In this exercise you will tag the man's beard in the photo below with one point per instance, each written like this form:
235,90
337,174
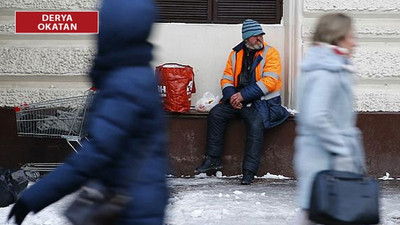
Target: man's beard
254,47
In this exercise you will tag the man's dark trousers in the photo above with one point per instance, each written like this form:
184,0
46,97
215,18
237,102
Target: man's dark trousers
216,126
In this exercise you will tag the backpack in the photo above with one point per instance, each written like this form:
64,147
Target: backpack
11,184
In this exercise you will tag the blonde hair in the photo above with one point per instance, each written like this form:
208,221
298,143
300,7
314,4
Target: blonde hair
332,28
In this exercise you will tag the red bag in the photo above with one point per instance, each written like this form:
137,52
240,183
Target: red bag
176,85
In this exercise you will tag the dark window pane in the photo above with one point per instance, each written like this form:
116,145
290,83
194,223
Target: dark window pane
219,11
235,11
184,11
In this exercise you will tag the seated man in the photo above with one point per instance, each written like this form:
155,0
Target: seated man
251,86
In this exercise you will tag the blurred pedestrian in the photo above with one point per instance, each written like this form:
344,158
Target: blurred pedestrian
125,125
326,123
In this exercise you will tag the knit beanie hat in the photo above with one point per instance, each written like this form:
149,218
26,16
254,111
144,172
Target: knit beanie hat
251,28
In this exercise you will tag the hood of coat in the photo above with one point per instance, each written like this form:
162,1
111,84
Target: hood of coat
124,27
324,57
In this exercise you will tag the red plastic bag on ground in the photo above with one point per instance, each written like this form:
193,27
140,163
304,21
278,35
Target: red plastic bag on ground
176,85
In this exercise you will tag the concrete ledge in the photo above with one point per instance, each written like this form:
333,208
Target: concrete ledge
187,140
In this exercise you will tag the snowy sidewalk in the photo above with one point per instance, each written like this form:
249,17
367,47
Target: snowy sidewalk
226,202
223,201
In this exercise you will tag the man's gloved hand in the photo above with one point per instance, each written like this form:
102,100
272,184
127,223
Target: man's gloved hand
19,211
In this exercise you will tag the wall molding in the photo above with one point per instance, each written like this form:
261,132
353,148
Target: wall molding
53,4
8,28
384,6
370,29
382,98
45,61
377,57
11,97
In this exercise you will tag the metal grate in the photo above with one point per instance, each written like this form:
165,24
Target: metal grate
220,11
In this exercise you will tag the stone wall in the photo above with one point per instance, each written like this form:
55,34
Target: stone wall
35,67
377,57
38,67
65,57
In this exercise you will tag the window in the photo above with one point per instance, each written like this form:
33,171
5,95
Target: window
219,11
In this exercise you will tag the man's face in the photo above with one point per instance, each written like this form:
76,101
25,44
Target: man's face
255,42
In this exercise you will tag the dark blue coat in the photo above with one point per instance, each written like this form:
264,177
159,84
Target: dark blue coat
126,123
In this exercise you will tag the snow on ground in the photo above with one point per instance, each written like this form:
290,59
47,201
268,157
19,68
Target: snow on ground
226,202
223,201
52,215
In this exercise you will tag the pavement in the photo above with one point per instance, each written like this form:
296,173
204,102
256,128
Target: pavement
223,201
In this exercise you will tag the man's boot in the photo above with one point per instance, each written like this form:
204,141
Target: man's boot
210,163
248,177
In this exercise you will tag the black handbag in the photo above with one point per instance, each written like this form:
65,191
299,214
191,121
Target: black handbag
96,205
340,197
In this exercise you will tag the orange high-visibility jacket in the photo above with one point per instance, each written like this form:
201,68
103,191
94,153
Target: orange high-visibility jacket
266,75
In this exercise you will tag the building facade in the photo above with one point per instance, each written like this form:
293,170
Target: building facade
37,67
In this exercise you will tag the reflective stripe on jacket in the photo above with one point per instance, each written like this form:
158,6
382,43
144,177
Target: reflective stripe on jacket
266,73
264,86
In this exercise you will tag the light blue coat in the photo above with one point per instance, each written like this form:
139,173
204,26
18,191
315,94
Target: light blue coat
327,135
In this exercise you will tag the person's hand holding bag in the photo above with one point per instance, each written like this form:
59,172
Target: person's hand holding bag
344,163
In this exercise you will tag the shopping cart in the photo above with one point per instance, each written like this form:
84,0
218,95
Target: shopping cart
60,118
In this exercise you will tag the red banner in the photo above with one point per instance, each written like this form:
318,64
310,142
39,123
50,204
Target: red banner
56,22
